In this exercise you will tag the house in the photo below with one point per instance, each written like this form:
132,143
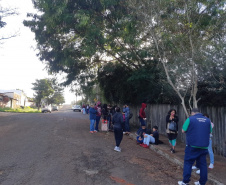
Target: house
13,98
4,100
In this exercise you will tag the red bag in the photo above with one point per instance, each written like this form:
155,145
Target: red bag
104,125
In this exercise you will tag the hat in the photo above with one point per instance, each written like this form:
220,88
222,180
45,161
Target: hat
195,110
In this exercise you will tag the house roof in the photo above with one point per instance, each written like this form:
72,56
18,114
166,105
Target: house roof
2,94
19,92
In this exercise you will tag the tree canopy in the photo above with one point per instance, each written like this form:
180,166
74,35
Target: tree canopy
133,47
48,89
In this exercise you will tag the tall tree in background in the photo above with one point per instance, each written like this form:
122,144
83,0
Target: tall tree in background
48,89
183,33
57,97
43,89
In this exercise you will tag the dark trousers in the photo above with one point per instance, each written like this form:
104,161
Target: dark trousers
191,155
127,127
97,123
118,136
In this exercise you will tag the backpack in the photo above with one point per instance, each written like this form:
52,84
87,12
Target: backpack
130,115
173,126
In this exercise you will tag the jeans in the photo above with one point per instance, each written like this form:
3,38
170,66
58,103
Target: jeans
92,121
142,123
118,136
97,122
84,111
210,150
127,127
191,155
148,139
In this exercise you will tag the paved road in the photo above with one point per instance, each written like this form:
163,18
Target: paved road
57,149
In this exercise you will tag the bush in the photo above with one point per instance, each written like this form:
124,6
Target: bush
20,110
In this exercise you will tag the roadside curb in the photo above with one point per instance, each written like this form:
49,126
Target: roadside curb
177,161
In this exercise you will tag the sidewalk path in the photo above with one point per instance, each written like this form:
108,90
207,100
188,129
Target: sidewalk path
215,176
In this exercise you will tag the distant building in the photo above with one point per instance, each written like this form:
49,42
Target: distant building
13,99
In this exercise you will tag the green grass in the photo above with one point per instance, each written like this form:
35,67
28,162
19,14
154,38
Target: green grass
20,110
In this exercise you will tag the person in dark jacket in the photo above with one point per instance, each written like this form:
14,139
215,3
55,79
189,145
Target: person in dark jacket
98,115
92,117
117,121
105,112
142,119
172,135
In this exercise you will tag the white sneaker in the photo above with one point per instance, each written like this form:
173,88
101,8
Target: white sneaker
197,183
117,149
181,183
198,172
194,168
211,166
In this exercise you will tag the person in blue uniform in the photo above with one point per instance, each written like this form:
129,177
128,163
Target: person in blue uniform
197,128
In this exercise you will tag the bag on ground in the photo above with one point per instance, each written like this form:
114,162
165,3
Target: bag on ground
104,125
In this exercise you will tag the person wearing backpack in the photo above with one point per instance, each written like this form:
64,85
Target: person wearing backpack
171,118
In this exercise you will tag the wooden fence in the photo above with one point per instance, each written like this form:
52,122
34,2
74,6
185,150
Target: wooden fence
156,115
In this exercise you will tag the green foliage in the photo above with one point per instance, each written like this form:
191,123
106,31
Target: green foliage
146,84
20,110
212,88
48,89
113,43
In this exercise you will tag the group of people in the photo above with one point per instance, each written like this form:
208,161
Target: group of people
117,121
198,129
85,109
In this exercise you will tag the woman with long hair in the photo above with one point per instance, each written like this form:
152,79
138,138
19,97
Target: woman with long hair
172,135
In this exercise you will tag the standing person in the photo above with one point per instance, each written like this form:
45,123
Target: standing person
98,115
87,109
210,150
104,112
127,112
197,128
109,118
142,119
117,121
92,117
172,135
84,109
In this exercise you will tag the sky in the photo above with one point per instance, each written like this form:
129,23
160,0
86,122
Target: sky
19,65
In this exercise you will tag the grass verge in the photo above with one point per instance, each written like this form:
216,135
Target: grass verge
20,110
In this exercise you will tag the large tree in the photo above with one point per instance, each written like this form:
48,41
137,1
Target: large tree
49,90
43,89
79,36
183,34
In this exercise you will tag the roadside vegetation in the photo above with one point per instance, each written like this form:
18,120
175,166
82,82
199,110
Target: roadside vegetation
20,110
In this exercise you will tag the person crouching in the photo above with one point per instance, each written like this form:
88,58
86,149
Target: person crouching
150,138
117,122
